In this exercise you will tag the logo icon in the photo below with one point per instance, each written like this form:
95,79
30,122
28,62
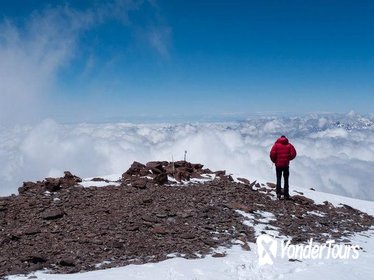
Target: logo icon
267,249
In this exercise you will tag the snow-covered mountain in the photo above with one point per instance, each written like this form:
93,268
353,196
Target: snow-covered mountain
241,264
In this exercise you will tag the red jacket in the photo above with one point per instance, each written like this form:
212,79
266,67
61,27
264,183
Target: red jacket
282,152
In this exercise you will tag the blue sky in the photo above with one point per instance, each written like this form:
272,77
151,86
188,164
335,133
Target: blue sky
172,58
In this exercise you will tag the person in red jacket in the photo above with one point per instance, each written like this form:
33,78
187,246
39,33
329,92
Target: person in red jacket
281,154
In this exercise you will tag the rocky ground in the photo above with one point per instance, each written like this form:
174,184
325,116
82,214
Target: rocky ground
153,211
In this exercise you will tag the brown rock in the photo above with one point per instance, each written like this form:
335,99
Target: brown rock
161,179
219,255
135,168
187,236
159,230
52,184
243,207
28,186
52,214
244,181
139,184
220,173
67,262
302,200
32,230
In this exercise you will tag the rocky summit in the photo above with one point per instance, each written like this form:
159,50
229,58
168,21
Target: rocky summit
154,211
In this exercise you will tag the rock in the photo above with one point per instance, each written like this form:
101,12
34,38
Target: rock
187,236
206,171
347,206
161,179
116,244
219,255
197,166
271,185
35,258
52,184
32,230
135,168
29,186
252,184
155,165
220,173
52,214
149,218
244,181
3,203
133,228
98,179
302,200
139,184
70,180
196,175
246,247
161,215
182,175
67,262
159,230
147,200
243,207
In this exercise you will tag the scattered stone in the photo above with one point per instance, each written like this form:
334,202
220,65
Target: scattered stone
67,262
159,230
244,181
35,258
302,200
52,184
161,179
219,255
220,173
32,230
187,236
243,207
98,179
52,214
246,247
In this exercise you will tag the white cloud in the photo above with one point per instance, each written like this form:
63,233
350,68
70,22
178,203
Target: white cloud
31,56
34,52
332,164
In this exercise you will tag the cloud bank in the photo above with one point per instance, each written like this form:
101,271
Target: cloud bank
335,153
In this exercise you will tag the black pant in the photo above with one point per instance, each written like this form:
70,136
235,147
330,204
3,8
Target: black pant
286,174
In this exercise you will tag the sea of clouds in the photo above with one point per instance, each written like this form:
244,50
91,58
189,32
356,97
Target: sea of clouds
335,152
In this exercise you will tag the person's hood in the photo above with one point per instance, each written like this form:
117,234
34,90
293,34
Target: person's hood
282,140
